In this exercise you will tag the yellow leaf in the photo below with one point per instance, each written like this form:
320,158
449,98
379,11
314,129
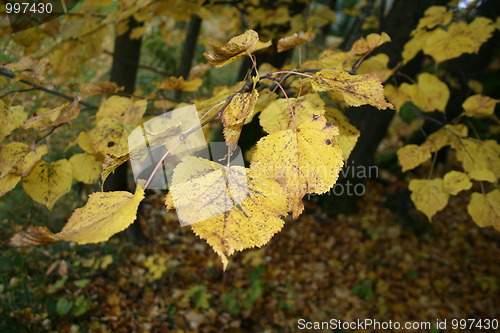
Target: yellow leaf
477,155
428,195
378,65
122,109
236,48
483,175
434,16
364,46
485,209
46,118
110,164
232,208
47,182
97,88
232,135
86,168
109,137
395,96
429,94
415,45
84,142
411,156
8,182
278,116
479,105
303,160
104,214
289,42
448,135
356,89
348,134
10,119
266,97
460,38
335,59
240,107
454,182
178,83
18,158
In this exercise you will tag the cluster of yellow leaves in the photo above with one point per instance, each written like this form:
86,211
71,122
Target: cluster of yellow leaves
447,41
429,93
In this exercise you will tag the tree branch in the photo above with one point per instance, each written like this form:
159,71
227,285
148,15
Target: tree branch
5,72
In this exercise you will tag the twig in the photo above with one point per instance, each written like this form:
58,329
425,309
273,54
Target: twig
5,72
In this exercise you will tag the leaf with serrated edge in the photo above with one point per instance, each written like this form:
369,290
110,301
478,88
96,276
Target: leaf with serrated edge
232,209
356,89
278,116
19,158
303,160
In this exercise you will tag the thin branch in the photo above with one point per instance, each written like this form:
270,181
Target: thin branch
9,74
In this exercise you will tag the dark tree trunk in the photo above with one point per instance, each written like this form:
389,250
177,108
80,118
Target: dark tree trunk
124,73
188,50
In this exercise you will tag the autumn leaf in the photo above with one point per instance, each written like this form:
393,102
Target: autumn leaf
455,182
86,168
479,106
110,163
303,160
48,182
395,96
46,118
429,94
279,117
447,135
18,158
289,42
109,137
356,89
364,46
483,175
10,118
378,65
411,156
434,16
8,182
178,83
104,214
485,209
97,88
123,109
477,155
428,195
236,48
348,134
231,208
240,107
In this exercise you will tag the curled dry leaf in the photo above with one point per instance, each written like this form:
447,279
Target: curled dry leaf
178,83
236,48
364,46
96,88
289,42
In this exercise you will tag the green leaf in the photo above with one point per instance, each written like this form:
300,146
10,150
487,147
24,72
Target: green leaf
63,306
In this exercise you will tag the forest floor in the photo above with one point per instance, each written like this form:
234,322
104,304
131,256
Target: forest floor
376,264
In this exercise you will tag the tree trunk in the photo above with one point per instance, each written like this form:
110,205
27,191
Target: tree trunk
124,73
